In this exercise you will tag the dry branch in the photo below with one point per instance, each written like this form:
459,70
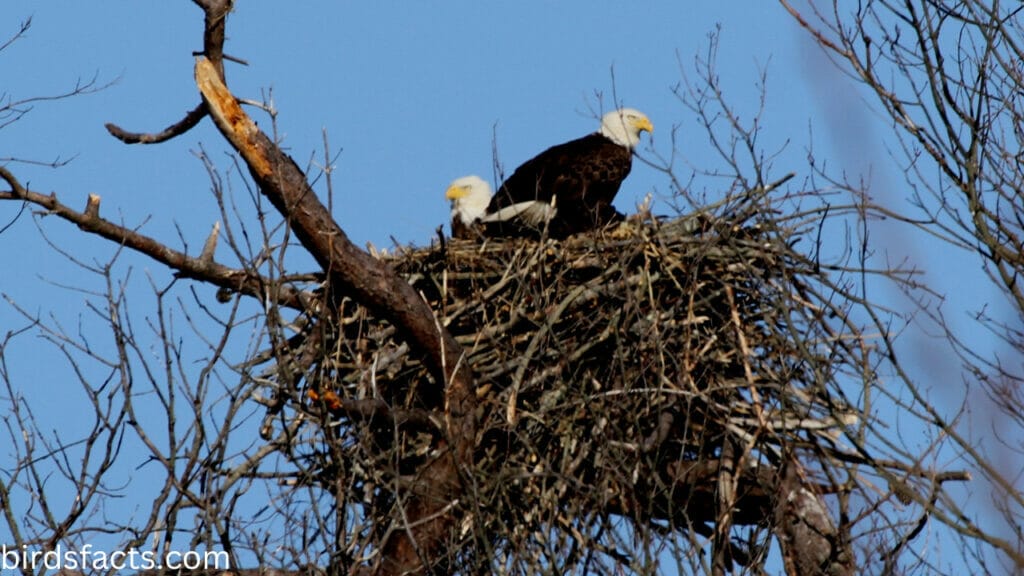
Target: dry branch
612,371
372,283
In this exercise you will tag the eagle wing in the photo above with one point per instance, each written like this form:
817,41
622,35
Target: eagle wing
583,174
533,213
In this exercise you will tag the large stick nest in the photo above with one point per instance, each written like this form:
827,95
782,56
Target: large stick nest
612,368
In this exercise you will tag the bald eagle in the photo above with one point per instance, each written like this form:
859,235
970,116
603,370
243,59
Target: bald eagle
471,196
576,181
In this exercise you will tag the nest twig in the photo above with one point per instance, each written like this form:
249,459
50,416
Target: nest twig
612,370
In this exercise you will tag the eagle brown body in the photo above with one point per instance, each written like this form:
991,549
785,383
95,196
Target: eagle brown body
462,230
583,175
564,190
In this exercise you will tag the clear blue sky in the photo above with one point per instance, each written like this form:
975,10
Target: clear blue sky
411,94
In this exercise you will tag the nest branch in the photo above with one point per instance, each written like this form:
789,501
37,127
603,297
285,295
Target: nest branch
668,372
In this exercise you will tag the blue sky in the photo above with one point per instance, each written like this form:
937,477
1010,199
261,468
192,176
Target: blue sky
411,95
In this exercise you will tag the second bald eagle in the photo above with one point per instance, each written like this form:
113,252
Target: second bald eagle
575,182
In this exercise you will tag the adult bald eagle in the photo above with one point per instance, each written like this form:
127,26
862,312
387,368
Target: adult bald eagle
578,178
471,196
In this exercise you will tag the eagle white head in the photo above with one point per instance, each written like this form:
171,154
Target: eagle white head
623,126
470,196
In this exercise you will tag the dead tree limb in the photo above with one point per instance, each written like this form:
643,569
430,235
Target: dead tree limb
374,284
810,542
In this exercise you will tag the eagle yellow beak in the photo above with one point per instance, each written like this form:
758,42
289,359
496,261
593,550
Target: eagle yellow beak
456,192
644,124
